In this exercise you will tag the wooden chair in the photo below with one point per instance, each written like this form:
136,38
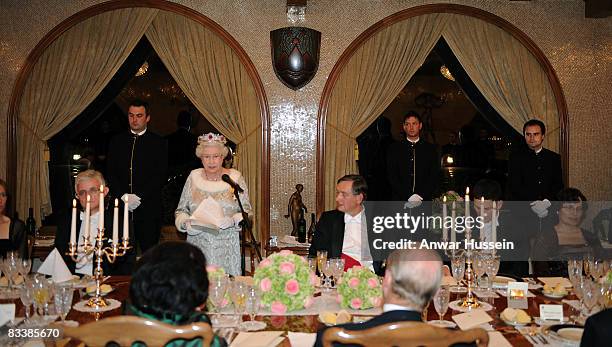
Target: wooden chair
405,334
124,330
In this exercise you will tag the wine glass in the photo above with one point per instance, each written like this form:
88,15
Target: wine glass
24,266
216,292
312,264
321,259
327,271
441,300
458,270
26,296
337,270
63,301
574,269
492,269
479,265
40,294
252,303
9,268
238,294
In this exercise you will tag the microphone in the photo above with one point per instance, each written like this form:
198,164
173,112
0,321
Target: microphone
228,180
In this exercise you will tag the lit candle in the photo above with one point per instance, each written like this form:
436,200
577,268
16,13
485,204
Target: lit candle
101,209
126,227
116,221
444,230
453,232
87,210
482,215
494,223
468,230
73,223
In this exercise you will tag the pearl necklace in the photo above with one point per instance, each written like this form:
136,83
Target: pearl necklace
211,179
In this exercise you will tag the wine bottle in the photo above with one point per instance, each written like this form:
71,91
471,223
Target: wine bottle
31,223
301,236
311,230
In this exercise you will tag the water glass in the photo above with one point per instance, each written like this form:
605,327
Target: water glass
441,300
63,300
238,294
458,271
337,269
479,264
27,298
492,269
216,292
252,304
24,266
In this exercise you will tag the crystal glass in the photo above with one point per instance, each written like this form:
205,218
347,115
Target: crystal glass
574,269
337,270
321,259
492,269
479,264
598,268
441,300
24,266
41,295
9,268
27,298
216,292
63,300
312,264
458,271
238,294
327,271
252,305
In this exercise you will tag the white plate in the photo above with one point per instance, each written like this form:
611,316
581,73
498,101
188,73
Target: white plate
553,295
546,322
515,324
571,334
442,324
101,293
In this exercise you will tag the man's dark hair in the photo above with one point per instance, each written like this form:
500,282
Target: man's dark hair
359,184
170,280
489,189
537,122
140,103
414,114
183,120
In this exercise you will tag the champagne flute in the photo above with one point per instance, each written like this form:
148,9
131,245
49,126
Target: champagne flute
321,259
441,300
458,270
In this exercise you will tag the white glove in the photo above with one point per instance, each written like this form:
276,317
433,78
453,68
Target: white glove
226,222
133,201
414,200
237,217
540,207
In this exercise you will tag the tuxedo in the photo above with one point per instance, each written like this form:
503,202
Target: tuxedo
385,318
329,236
534,176
413,169
122,266
138,165
597,330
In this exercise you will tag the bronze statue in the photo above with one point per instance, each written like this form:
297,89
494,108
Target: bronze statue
296,208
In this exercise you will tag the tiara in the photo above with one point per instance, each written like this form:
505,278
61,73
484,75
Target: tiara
212,137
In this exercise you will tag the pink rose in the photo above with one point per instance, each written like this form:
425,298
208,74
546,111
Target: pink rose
278,307
339,299
354,282
265,285
286,268
308,302
211,268
376,301
372,282
265,262
292,287
356,303
285,252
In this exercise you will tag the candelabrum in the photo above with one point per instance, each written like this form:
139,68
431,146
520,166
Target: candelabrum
470,300
98,250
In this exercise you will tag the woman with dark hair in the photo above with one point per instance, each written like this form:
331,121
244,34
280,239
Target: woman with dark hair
170,285
12,230
565,239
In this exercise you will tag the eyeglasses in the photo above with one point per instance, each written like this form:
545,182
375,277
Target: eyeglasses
91,191
3,195
212,157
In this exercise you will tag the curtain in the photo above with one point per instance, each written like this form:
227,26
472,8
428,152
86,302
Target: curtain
375,74
506,73
66,78
213,78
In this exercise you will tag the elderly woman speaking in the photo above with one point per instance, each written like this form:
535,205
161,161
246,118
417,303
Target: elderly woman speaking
208,211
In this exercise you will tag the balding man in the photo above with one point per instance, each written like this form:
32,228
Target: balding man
412,278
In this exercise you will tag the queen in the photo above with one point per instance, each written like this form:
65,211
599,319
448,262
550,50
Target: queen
205,192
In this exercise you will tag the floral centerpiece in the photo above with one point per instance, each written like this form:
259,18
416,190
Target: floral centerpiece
285,282
214,271
359,289
451,196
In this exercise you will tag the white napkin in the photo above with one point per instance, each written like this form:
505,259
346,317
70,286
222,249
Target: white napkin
496,339
55,267
471,319
7,313
258,339
301,339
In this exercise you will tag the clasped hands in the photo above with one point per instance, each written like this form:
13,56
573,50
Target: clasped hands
414,200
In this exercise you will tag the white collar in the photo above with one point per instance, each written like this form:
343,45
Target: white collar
92,215
353,219
539,150
140,133
394,307
413,142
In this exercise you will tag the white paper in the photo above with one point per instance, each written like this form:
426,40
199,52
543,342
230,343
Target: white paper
256,339
302,339
551,312
496,339
55,267
208,214
7,313
471,319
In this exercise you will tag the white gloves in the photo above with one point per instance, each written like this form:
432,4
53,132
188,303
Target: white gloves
414,200
540,207
133,201
226,222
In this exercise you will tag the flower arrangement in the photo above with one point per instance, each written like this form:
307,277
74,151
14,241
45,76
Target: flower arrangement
359,289
285,282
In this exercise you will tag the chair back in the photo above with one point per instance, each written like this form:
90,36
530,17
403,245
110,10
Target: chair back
405,334
124,330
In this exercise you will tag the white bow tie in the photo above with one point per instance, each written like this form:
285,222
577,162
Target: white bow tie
350,219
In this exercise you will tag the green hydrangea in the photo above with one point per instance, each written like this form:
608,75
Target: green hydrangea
359,289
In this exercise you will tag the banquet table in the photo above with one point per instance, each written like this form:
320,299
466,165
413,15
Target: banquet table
310,323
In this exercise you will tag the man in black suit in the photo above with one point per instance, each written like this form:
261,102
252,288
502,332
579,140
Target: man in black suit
343,232
87,183
136,164
411,280
181,147
597,330
413,165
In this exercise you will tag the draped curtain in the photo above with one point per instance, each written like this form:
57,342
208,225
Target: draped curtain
375,74
66,78
211,75
506,73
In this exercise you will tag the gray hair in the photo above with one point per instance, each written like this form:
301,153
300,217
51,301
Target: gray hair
415,274
88,175
199,151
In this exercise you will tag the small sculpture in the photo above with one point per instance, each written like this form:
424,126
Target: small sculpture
296,208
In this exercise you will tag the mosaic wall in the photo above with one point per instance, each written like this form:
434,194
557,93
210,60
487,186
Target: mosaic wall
579,49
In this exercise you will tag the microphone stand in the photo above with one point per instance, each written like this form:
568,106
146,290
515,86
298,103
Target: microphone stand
246,227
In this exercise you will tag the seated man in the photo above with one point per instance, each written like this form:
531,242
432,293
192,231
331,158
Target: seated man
170,284
597,329
343,232
87,183
412,278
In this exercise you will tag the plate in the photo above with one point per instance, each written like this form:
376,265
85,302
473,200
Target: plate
569,334
101,292
515,324
546,322
502,281
553,295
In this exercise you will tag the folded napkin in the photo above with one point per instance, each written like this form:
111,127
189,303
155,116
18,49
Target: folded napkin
471,319
258,339
496,339
7,313
55,267
301,339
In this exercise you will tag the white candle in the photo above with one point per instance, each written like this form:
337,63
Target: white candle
453,232
101,209
482,215
494,223
87,210
444,230
126,226
116,221
468,230
73,223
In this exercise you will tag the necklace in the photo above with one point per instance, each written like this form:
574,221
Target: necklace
211,179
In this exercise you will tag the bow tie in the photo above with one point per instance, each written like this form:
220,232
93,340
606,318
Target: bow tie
350,219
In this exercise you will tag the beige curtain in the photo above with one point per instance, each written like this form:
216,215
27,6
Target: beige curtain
375,74
214,79
71,72
506,73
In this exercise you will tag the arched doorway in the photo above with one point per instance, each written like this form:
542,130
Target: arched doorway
422,24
